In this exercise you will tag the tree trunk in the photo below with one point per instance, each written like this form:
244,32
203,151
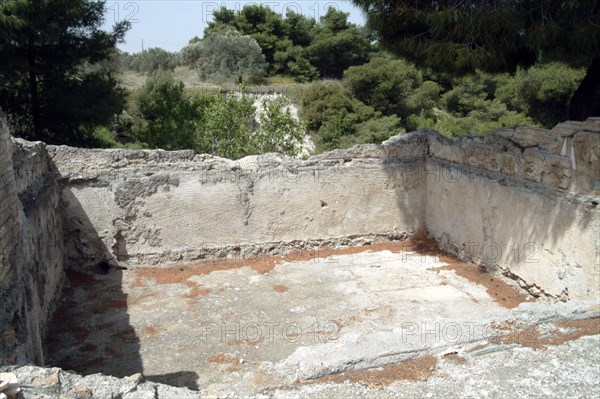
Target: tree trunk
586,99
34,95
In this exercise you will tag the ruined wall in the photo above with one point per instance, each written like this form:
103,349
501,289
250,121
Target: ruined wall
31,247
524,200
155,207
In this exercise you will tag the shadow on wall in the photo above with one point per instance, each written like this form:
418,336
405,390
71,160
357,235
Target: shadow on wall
92,331
543,234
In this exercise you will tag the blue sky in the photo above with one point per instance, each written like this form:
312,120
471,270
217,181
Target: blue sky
171,23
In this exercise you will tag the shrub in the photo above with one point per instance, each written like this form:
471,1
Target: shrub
392,87
168,114
230,56
542,92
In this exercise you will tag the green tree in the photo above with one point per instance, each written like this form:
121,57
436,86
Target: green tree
332,113
45,48
169,115
297,45
298,28
263,25
255,20
374,131
190,54
225,127
149,61
231,127
337,45
462,36
542,92
229,54
278,130
223,20
293,62
393,87
156,59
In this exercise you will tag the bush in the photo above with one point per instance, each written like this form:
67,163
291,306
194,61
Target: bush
230,56
226,123
169,115
489,116
542,92
375,131
331,111
392,87
278,131
149,61
221,125
323,101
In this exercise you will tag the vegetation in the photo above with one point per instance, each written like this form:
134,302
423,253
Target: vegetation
61,82
296,45
466,36
172,118
52,82
229,54
149,61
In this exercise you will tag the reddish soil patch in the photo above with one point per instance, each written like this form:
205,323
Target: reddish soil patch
88,348
221,358
279,288
266,263
127,335
455,357
531,337
112,353
9,337
96,362
115,304
503,293
150,331
79,333
197,292
419,369
504,326
78,279
104,325
180,274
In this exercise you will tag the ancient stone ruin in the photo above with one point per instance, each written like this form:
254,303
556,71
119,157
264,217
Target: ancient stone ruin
420,267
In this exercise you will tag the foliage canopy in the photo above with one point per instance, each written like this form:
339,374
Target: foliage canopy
49,80
494,36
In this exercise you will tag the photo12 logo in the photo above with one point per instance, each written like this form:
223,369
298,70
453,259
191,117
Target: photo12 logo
123,11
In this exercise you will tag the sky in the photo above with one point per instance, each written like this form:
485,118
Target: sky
170,24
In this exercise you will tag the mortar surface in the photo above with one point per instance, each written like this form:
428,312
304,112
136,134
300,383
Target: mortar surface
244,326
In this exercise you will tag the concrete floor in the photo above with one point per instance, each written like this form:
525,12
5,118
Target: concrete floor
231,328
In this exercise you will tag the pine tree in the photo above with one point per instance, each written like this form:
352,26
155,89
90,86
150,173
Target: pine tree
51,79
494,35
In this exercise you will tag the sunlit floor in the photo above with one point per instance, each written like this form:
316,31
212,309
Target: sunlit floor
208,325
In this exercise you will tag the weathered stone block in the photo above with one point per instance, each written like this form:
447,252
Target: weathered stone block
586,150
443,148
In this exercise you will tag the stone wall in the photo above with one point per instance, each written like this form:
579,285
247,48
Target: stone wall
521,200
156,207
31,247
